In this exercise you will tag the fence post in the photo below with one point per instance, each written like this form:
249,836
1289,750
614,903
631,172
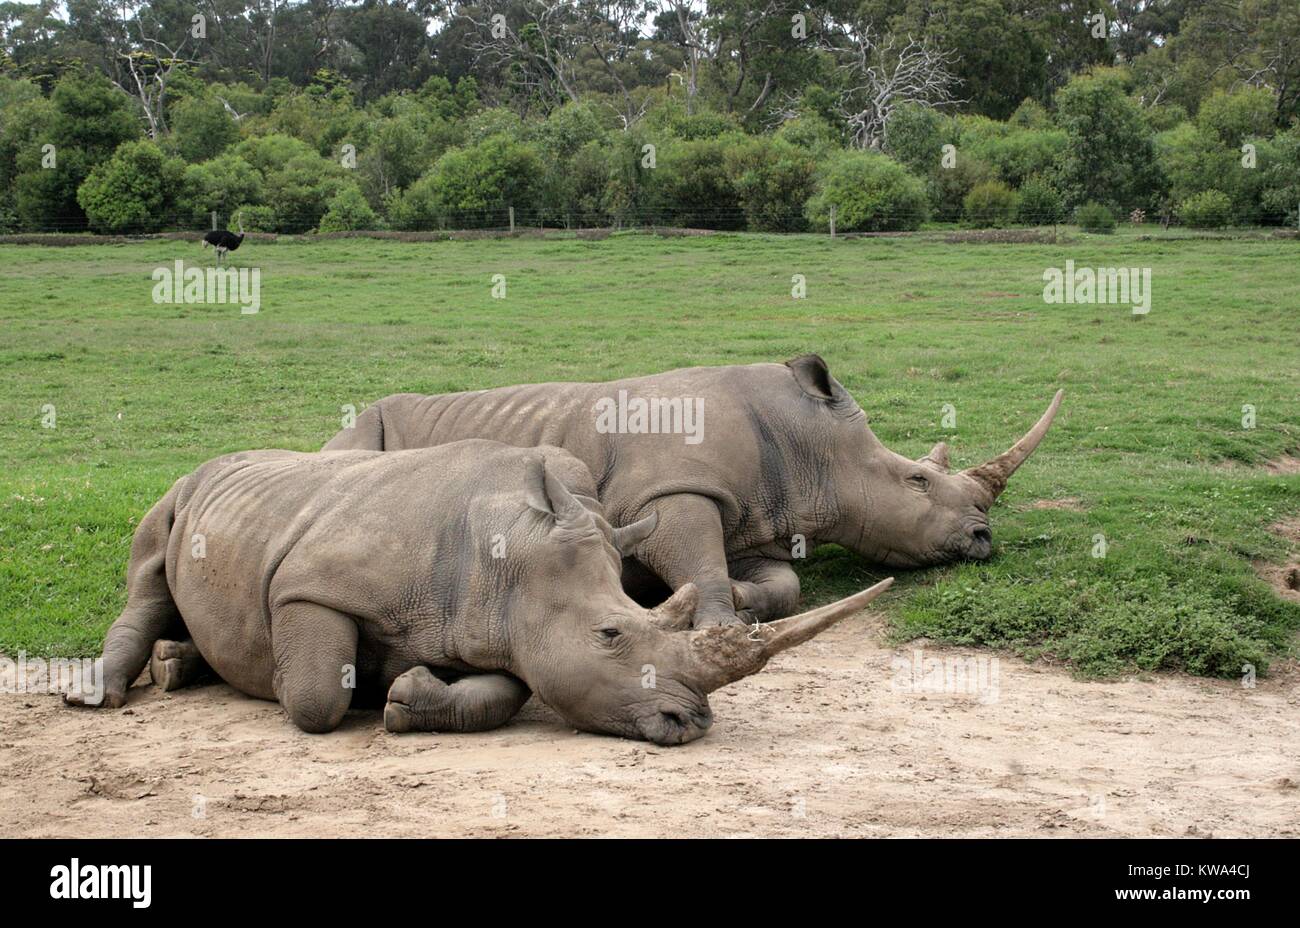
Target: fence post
512,220
832,220
214,220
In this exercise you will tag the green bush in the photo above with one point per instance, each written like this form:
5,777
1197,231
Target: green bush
1234,116
301,190
947,187
202,128
1280,178
870,193
1020,153
990,205
773,179
472,187
348,212
133,191
256,218
690,187
219,185
1040,203
1095,217
1209,209
915,136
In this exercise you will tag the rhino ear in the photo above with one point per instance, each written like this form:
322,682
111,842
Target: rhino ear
813,376
938,457
550,495
629,536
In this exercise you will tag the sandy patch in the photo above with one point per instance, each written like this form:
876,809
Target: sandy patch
830,740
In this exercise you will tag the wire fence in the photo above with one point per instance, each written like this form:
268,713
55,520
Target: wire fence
505,219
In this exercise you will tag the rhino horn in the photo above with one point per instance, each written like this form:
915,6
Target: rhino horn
994,474
938,456
677,611
629,536
725,654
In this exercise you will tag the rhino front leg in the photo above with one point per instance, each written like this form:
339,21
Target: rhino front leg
419,701
764,589
315,650
688,547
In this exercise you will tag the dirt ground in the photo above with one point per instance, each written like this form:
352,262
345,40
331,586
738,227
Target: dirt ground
834,738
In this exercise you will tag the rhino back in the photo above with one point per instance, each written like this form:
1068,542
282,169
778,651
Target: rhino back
762,454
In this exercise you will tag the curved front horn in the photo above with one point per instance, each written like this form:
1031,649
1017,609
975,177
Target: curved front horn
993,475
724,654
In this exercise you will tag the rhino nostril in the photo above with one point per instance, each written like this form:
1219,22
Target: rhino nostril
982,536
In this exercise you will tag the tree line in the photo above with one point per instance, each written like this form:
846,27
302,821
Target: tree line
767,115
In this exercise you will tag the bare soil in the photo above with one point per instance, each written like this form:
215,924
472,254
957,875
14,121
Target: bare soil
829,740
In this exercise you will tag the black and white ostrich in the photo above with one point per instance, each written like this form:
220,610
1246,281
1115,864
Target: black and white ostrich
223,240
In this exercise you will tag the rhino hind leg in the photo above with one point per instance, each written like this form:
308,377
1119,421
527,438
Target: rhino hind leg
150,612
764,589
315,652
175,664
419,701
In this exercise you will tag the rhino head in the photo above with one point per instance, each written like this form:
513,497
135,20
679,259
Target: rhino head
898,511
609,665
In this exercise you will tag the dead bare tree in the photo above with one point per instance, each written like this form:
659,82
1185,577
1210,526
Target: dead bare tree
538,55
146,65
882,73
690,26
613,30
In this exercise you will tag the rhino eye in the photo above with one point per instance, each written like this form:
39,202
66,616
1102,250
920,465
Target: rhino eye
919,481
610,633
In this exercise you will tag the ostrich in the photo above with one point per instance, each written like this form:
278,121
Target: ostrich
223,240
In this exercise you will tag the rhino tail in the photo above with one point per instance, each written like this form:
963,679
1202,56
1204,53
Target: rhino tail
365,434
150,612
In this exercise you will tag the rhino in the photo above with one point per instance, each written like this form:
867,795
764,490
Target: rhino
444,584
762,461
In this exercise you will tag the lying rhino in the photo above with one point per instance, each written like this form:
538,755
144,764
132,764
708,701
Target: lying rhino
456,579
741,461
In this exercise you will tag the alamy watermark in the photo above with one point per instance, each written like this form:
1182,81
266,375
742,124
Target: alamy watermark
953,675
1110,285
82,677
181,284
655,415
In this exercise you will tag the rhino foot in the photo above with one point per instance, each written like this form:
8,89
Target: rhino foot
175,664
419,701
86,699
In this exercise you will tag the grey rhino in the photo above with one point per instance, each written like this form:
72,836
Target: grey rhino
456,579
785,452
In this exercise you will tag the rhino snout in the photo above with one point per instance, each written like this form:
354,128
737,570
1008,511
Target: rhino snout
674,724
978,543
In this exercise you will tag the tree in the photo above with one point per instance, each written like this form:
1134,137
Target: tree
881,72
870,193
85,123
1110,157
203,127
134,191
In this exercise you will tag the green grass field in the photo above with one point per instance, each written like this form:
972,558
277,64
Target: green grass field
1150,441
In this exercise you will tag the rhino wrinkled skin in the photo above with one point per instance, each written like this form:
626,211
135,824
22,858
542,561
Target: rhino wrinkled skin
783,452
453,581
